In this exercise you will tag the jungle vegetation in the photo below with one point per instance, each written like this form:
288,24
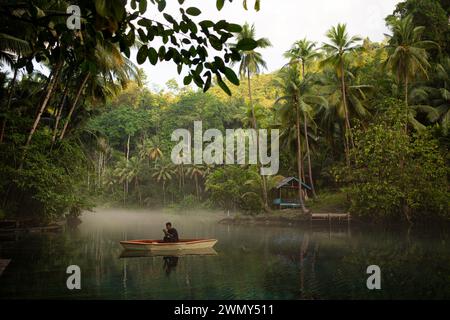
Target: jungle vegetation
365,120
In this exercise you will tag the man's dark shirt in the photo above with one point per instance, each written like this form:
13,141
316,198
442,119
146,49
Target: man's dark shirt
172,235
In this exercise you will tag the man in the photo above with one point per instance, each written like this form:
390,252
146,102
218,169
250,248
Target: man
170,234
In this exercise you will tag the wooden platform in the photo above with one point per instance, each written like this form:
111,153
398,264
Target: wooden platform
3,264
339,217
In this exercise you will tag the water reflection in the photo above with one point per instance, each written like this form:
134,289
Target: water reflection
168,253
170,263
315,262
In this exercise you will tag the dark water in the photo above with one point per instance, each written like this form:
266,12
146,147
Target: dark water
251,262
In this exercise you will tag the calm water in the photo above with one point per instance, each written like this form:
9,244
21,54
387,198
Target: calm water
251,262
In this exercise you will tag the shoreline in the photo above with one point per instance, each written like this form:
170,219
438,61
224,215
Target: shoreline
288,218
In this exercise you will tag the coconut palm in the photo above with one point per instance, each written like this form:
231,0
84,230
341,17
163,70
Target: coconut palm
128,171
11,49
256,184
439,95
252,63
302,52
150,148
407,54
163,173
298,97
113,72
431,98
333,117
337,50
196,172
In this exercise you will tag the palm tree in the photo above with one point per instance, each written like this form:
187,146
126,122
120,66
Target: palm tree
252,63
337,50
333,117
298,96
407,55
256,184
196,172
129,171
11,49
150,149
113,72
303,52
439,95
163,173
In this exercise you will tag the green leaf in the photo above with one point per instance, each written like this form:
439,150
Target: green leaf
223,85
257,5
169,18
232,27
187,80
152,56
231,76
220,4
161,5
141,55
208,81
162,52
193,11
206,24
247,44
145,23
142,6
142,35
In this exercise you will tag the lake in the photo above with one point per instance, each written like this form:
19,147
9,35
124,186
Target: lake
252,262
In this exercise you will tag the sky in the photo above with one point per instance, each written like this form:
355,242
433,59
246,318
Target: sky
283,22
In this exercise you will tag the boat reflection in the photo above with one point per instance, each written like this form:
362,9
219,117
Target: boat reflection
170,264
168,253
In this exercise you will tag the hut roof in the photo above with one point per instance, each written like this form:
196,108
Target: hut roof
286,181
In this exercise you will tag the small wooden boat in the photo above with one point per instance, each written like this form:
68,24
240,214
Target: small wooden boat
158,245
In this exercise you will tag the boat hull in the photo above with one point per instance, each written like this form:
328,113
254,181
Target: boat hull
158,245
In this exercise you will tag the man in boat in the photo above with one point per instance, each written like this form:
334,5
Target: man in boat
170,233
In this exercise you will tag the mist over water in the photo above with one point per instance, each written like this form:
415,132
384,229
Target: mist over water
148,224
252,262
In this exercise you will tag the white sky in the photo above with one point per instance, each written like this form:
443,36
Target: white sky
283,22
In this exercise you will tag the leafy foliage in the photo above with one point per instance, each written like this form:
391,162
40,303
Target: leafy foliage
396,176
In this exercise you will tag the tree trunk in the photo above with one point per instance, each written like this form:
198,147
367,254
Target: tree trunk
138,188
309,155
303,69
128,158
299,162
49,94
59,113
406,105
348,131
196,187
74,104
124,194
164,193
255,126
128,148
8,104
